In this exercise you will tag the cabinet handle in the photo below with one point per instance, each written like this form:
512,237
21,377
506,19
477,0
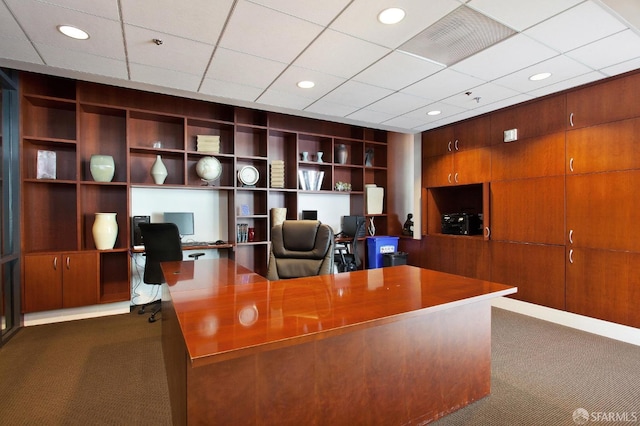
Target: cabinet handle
456,177
571,164
455,144
68,261
487,232
571,119
449,178
571,236
449,146
571,256
55,263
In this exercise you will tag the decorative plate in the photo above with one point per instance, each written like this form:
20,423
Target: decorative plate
248,175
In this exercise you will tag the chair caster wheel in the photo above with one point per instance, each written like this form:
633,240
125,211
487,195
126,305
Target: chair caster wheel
141,311
152,319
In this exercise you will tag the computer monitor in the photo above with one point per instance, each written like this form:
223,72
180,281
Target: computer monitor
184,221
353,224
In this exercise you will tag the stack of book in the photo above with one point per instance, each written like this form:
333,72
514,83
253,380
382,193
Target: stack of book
208,143
277,174
310,180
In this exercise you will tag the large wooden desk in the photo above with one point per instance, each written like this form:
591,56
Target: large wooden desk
388,346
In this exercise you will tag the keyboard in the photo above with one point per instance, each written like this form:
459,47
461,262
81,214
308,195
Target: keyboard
195,243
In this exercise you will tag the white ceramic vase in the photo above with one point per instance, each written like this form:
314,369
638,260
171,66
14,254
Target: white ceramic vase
102,168
105,231
158,171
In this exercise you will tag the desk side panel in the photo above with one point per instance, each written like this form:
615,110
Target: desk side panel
176,359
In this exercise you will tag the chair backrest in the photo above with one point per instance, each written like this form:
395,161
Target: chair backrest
300,248
161,243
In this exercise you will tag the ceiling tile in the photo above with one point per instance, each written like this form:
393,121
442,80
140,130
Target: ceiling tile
521,15
339,54
202,20
9,28
283,99
232,91
240,68
397,70
318,12
623,67
443,85
105,8
609,51
575,27
370,116
487,93
164,77
357,94
360,19
511,55
561,68
40,20
174,53
397,103
83,62
263,32
567,84
330,108
19,50
288,80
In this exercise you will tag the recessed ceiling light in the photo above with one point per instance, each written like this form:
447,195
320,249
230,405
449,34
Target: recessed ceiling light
73,32
541,76
393,15
306,84
434,112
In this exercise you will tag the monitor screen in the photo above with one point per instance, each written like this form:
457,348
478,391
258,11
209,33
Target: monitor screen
184,221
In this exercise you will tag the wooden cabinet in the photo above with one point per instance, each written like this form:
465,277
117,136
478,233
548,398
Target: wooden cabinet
540,156
457,154
604,284
605,101
60,280
537,270
605,147
460,255
532,119
76,120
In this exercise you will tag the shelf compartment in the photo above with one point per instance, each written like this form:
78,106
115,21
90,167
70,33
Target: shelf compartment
452,199
375,175
314,144
251,141
251,117
379,154
352,175
260,165
49,217
103,131
226,180
166,129
253,256
327,184
115,284
254,199
65,157
355,151
49,118
141,162
210,128
96,198
45,85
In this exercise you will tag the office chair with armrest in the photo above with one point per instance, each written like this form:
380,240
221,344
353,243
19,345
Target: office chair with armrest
300,248
161,244
348,259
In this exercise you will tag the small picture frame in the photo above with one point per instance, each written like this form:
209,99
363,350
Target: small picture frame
46,165
244,210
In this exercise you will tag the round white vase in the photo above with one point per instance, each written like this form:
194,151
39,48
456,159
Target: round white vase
158,171
105,231
102,168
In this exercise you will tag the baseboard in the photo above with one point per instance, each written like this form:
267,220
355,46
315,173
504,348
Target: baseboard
60,315
591,325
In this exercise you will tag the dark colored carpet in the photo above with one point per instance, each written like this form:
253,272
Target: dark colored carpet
109,371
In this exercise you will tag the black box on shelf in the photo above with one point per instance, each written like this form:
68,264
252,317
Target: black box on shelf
461,224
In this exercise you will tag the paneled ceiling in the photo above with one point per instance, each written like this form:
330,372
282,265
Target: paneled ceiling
460,57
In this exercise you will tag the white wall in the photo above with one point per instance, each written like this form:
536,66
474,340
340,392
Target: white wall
404,163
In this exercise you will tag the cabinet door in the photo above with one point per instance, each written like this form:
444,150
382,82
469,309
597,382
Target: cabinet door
612,100
42,282
437,142
529,158
472,134
80,279
437,171
460,255
608,147
604,284
532,119
537,270
528,210
601,208
472,166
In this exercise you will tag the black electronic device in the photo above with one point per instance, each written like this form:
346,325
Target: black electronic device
184,221
461,224
136,235
352,225
310,214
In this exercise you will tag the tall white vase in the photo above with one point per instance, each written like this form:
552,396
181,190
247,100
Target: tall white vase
158,171
105,230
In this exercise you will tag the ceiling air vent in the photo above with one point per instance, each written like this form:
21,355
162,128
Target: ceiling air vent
460,34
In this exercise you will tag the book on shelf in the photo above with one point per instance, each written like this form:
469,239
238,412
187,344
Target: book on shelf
277,174
310,180
208,143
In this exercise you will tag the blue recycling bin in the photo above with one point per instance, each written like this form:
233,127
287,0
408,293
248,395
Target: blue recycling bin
377,247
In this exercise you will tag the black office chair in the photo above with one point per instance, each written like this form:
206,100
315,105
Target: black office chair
161,244
347,258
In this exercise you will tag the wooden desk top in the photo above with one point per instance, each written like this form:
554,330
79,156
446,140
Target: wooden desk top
227,311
